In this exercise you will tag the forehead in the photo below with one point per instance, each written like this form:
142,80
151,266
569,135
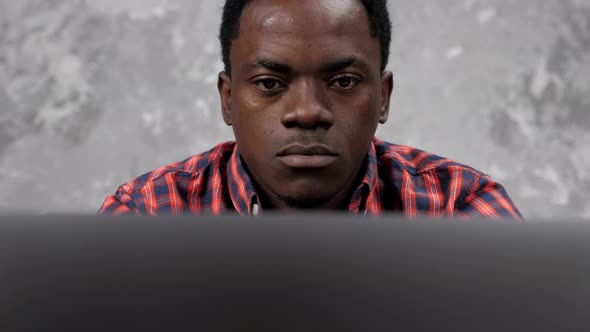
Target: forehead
305,30
282,16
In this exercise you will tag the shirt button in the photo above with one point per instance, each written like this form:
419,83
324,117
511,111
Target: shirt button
255,209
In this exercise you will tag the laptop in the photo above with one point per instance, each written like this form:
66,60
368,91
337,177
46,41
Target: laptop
308,272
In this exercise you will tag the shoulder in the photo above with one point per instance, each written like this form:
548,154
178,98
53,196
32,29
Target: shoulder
415,170
188,168
416,161
165,189
436,185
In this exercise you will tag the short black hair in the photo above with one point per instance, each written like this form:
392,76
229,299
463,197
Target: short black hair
379,25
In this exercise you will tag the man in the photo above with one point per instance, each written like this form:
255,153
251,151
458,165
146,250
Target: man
304,88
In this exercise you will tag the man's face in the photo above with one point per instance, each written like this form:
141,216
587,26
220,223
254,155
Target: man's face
305,97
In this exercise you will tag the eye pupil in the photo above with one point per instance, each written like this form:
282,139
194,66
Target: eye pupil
269,84
345,82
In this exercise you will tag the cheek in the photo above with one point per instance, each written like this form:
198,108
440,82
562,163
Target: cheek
362,119
253,121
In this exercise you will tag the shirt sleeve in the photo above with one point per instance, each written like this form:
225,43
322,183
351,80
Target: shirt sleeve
121,203
488,199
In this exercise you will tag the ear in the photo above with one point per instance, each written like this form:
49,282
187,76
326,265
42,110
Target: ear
386,89
224,88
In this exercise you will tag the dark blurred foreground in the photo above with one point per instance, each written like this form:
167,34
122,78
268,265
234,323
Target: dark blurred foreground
292,273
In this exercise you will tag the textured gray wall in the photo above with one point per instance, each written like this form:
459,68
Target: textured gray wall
93,93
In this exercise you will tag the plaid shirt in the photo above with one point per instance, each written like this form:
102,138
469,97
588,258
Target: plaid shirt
397,179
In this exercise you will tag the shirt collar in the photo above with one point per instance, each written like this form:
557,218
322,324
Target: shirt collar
246,201
364,196
241,188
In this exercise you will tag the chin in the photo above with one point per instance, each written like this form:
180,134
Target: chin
308,193
305,202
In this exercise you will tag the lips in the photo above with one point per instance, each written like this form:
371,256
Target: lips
307,156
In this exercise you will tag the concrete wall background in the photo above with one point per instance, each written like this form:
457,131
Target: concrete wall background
93,93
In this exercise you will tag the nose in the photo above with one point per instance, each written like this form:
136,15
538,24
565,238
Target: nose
307,107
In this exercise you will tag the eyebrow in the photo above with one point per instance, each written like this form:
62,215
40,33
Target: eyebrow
272,65
283,68
339,64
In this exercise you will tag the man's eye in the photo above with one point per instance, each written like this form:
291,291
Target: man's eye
268,84
345,82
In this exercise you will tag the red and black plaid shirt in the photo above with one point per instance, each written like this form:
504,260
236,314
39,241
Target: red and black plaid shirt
398,179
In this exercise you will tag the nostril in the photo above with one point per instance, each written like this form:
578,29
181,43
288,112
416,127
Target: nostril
289,120
291,124
308,118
